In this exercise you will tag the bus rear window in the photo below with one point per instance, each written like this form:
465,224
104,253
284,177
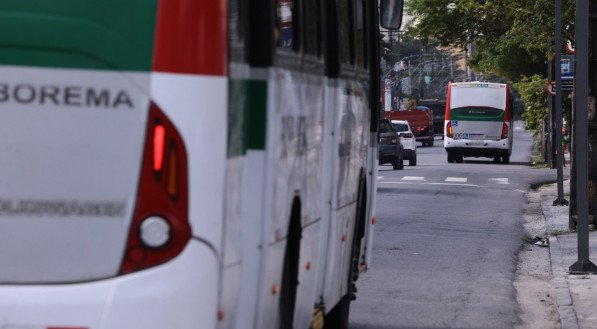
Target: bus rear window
479,113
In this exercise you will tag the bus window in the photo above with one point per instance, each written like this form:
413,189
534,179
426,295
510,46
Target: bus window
312,36
360,51
345,38
285,24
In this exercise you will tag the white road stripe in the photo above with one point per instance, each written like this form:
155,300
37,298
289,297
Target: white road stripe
502,181
379,177
456,180
413,178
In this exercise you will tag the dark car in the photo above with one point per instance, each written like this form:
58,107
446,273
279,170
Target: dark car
390,148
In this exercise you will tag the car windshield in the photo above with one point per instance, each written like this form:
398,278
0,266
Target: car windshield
400,127
385,127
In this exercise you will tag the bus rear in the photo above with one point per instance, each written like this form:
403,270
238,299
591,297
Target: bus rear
109,110
478,121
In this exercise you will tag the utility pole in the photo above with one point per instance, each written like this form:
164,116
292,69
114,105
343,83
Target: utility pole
581,136
560,201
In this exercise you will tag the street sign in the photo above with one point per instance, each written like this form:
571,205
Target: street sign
551,88
567,69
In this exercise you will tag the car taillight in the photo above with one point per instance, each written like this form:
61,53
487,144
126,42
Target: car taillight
504,131
449,132
408,135
160,228
394,139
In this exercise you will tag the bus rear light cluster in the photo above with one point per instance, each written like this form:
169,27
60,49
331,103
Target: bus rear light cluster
160,228
449,132
504,131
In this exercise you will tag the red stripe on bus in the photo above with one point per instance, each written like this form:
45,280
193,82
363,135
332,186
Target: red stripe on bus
191,37
448,94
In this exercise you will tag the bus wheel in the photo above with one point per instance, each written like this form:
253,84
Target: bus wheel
496,159
459,158
291,268
506,159
451,157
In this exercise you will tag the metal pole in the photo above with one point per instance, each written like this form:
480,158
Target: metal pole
583,265
550,101
560,201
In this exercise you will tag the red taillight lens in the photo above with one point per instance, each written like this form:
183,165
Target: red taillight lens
504,131
159,133
160,228
394,140
408,135
449,132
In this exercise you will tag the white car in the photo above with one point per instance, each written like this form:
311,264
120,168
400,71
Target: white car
407,138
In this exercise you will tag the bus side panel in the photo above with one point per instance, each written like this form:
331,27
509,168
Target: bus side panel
294,162
350,157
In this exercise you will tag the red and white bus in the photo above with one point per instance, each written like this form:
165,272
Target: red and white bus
184,164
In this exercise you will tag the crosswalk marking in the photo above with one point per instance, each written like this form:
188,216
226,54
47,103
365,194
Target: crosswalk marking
456,180
502,181
413,178
434,180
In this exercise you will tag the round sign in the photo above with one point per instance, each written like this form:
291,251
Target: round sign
551,88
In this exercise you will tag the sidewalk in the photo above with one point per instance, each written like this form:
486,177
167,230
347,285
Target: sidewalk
576,295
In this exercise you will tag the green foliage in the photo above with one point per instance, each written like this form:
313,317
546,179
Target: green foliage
533,94
510,37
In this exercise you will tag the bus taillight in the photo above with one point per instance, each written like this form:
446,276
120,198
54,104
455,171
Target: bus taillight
158,146
505,131
449,132
160,228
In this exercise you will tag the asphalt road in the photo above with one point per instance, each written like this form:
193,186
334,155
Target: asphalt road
446,242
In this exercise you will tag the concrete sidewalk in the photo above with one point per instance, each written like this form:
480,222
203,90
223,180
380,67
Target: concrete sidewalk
576,295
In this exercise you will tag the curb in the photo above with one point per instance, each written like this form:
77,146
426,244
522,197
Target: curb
568,318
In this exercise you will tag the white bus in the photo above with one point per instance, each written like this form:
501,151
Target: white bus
478,121
186,164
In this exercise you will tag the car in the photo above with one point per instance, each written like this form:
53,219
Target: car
390,148
408,141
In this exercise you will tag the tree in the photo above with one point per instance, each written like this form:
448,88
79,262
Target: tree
511,37
532,92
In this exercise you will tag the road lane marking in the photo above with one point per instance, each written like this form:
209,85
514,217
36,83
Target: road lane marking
426,183
502,181
413,178
456,180
379,177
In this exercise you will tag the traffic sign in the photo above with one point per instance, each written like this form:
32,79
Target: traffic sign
551,88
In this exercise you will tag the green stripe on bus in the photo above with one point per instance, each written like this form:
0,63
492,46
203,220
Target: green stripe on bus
469,117
246,116
91,34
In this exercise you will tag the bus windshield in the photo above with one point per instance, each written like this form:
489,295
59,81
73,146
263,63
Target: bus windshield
477,114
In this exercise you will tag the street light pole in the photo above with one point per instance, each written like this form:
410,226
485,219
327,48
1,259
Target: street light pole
560,201
583,265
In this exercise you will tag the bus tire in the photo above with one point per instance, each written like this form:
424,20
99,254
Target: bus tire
291,268
459,158
496,159
451,157
505,159
337,318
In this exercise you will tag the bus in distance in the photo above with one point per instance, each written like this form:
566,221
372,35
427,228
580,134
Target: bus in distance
478,121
